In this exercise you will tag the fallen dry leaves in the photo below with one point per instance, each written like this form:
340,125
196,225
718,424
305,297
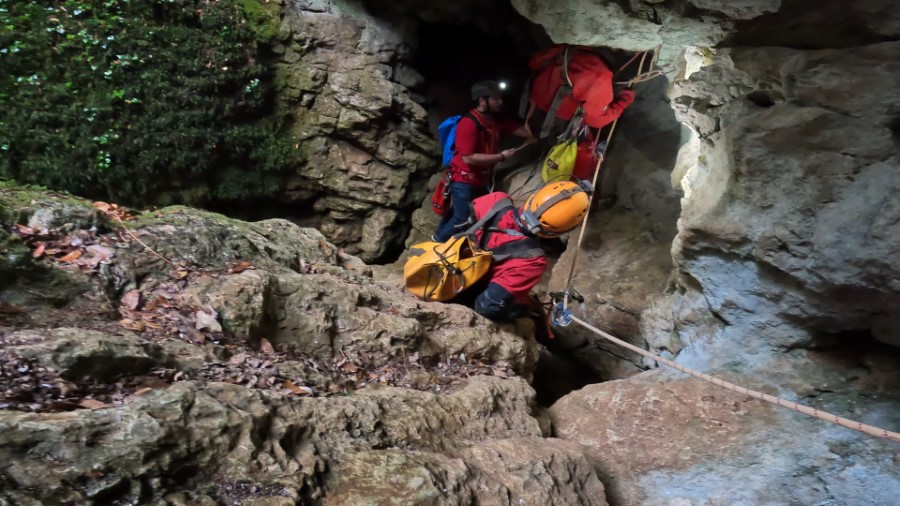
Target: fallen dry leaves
94,404
25,385
160,313
156,311
299,390
113,211
24,230
71,256
136,326
6,307
82,249
239,267
132,299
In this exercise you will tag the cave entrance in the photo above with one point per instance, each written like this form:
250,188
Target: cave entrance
451,57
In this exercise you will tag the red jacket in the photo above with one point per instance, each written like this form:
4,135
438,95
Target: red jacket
517,275
592,86
470,139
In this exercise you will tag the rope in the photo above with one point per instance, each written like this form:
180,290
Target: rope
587,213
531,175
630,60
806,410
642,78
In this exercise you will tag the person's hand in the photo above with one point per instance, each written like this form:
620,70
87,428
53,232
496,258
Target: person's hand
507,154
528,131
626,96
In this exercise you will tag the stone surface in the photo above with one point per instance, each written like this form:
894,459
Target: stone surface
259,368
639,26
240,300
365,143
789,176
788,213
501,472
325,316
625,264
299,446
775,270
668,439
816,24
79,353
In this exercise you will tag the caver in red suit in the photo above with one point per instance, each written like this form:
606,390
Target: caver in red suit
592,85
507,295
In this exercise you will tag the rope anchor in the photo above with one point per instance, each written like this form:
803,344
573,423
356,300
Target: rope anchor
560,316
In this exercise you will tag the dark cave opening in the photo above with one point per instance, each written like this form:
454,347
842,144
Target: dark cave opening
761,98
452,57
559,372
452,47
852,343
862,372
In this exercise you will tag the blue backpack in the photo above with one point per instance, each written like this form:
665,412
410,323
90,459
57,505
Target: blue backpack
447,136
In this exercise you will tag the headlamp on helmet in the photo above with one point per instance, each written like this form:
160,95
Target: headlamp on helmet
486,89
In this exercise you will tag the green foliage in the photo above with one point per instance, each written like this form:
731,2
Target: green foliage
140,101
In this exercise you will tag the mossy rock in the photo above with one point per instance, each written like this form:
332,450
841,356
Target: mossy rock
265,18
39,208
15,258
144,103
193,237
26,282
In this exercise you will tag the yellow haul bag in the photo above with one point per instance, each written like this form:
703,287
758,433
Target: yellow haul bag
439,271
560,162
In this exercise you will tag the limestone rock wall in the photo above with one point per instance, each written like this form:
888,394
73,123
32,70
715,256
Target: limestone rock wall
790,211
345,76
640,25
782,278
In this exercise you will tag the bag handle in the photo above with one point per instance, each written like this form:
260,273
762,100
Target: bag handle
448,270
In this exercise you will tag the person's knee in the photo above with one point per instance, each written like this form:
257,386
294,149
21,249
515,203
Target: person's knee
496,303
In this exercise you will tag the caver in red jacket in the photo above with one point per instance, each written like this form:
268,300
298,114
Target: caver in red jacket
592,86
472,139
511,278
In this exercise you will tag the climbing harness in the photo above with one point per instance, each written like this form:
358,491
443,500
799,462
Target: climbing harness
551,169
561,317
564,90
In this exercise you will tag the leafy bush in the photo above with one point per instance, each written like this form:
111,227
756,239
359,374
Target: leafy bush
140,101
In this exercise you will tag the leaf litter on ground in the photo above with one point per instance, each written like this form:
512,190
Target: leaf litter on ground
156,311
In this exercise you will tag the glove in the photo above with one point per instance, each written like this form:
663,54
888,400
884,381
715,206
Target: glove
626,96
